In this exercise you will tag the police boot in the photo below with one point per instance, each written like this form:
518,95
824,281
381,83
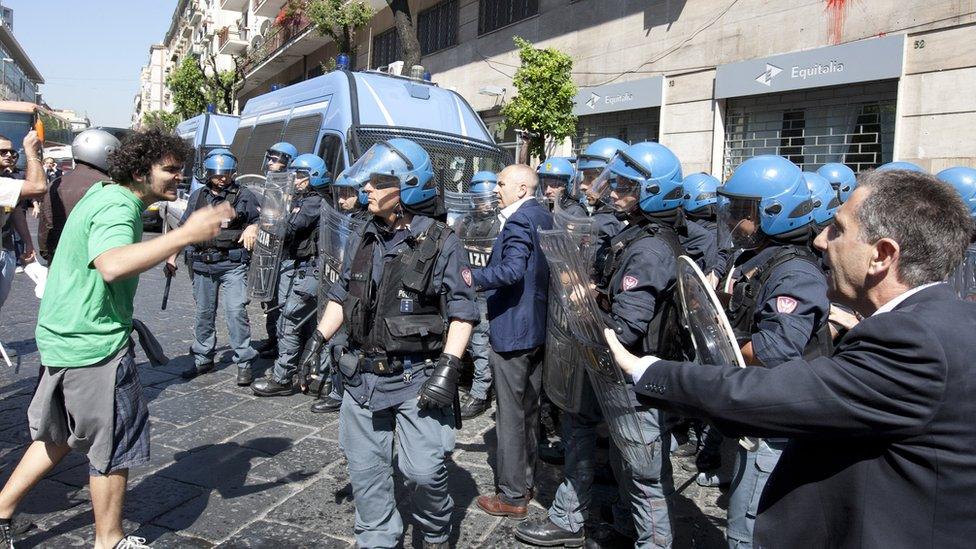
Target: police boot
326,405
474,407
544,532
198,370
266,387
244,376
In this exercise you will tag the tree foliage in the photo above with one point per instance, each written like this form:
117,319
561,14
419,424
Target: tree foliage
187,84
222,87
336,19
544,104
160,119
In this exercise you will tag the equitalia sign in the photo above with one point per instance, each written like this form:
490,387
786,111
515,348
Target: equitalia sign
874,59
623,96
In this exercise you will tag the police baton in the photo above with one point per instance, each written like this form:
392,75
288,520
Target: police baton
169,280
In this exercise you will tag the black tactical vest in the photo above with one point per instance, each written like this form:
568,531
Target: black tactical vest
303,244
228,237
742,305
404,314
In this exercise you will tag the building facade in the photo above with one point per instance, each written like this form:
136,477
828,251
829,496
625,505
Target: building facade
19,78
815,80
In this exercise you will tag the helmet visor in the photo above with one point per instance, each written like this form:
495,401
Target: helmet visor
276,157
382,165
584,181
738,223
552,187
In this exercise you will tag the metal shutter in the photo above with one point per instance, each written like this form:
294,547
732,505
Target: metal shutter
633,126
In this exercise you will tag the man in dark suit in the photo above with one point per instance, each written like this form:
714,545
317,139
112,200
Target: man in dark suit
517,282
883,434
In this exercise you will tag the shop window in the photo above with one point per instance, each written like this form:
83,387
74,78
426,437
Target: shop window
437,27
495,14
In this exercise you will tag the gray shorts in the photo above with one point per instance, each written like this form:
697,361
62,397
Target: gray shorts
76,407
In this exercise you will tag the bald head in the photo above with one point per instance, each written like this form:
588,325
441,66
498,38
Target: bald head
515,183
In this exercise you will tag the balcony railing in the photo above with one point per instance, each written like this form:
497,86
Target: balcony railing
231,42
277,39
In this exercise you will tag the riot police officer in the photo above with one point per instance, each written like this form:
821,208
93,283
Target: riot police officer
589,165
482,193
900,165
405,295
557,177
779,307
840,177
276,159
298,281
348,197
221,265
635,277
825,198
963,179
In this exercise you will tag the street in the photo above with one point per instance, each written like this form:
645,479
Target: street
231,470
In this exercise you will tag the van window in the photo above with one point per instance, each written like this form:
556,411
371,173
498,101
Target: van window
239,144
331,152
302,132
264,136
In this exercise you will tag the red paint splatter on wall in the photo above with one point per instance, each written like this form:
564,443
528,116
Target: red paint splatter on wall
836,10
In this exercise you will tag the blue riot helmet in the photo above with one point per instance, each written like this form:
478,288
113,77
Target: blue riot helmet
313,168
825,199
347,188
280,153
556,177
219,162
700,194
963,179
591,162
766,196
645,175
483,182
841,178
399,163
900,166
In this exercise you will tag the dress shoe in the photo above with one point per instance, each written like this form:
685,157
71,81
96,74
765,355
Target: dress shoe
545,533
326,405
496,507
199,370
267,387
244,376
473,408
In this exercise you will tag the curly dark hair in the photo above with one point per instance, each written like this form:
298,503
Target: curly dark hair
140,150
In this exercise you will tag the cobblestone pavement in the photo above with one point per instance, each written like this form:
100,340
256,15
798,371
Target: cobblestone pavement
231,470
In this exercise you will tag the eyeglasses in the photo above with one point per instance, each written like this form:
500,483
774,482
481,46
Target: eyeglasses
12,152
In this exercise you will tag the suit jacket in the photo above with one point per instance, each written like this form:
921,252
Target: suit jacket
883,434
517,280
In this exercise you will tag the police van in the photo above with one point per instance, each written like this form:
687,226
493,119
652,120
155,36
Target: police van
203,133
339,115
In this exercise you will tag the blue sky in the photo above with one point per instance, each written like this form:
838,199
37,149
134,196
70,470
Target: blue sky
90,51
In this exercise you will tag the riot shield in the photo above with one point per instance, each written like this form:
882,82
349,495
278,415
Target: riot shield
276,202
569,253
336,231
704,316
474,218
964,279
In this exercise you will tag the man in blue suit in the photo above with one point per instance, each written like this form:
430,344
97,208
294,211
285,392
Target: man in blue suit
517,283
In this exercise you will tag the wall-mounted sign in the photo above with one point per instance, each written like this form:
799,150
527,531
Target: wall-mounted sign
620,96
864,61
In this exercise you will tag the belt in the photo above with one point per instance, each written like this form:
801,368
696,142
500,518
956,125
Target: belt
384,365
214,256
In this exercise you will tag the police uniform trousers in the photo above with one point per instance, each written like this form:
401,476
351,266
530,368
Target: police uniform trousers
297,290
229,279
642,508
752,470
423,440
481,383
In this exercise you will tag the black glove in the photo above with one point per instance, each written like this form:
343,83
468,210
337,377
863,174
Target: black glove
308,364
440,389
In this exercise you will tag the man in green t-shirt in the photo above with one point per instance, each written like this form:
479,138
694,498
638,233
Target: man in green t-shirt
89,397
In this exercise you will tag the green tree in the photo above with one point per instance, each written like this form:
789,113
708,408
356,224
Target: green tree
406,32
222,87
544,104
188,86
336,19
161,119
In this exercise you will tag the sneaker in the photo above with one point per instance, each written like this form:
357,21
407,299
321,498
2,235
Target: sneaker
710,479
132,542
